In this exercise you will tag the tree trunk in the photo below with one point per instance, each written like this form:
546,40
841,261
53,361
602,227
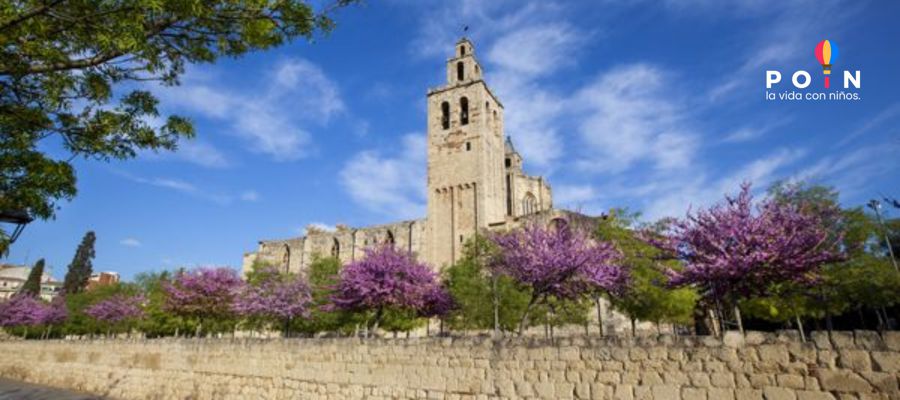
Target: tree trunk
599,314
378,315
633,327
740,321
800,328
496,300
524,318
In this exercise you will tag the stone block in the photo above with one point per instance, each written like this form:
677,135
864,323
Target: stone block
814,395
857,360
721,394
748,394
733,339
778,393
884,382
892,340
544,390
688,393
722,379
869,340
790,381
665,392
773,353
842,381
842,340
624,392
886,361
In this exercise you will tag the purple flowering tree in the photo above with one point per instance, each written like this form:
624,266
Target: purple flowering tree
117,311
275,297
26,311
204,294
389,278
561,261
734,250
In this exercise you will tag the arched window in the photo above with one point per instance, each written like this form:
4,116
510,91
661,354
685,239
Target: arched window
462,50
336,249
529,204
463,111
389,239
460,71
287,259
445,115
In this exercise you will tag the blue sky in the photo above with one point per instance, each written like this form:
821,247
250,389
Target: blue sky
656,106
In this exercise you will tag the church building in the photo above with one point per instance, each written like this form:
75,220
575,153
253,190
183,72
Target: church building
475,184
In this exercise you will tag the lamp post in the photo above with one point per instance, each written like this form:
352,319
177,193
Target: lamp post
875,205
18,217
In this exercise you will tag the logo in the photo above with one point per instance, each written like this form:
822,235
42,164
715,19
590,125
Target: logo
826,53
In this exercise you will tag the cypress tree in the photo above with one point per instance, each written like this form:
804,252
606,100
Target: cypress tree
81,268
32,286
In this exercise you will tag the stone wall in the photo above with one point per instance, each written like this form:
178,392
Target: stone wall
856,365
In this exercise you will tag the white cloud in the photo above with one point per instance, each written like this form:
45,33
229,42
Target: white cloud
130,242
318,226
274,117
631,117
393,186
201,153
250,196
573,195
180,186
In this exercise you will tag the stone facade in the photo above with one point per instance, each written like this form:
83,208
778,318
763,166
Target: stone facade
851,365
475,183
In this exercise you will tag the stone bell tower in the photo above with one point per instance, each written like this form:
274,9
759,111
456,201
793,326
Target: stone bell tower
465,158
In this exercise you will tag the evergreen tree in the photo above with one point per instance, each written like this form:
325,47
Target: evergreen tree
81,267
32,286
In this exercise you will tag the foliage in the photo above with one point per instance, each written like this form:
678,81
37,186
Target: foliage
730,251
78,321
117,309
323,276
474,288
274,297
61,62
207,294
32,285
561,262
22,310
386,278
158,321
648,297
81,268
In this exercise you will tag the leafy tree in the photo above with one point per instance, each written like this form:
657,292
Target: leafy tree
32,285
648,296
555,312
386,279
470,282
207,294
62,61
81,267
158,321
119,312
560,262
732,251
274,297
79,322
323,276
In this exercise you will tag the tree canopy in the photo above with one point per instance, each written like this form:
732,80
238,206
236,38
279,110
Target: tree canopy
71,75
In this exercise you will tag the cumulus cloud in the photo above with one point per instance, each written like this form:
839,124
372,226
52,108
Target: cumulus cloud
630,118
130,242
392,185
275,117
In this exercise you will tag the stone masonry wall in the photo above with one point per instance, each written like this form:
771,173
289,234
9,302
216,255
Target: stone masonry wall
858,365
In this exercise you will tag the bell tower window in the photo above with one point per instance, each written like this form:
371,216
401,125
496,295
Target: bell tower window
464,111
460,71
462,50
445,115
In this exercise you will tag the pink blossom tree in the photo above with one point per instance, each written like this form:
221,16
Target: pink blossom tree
118,310
204,294
733,250
27,311
561,261
386,277
276,297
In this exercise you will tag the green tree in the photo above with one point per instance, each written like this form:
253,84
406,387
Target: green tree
81,267
158,321
71,74
32,285
484,300
648,298
79,323
323,276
